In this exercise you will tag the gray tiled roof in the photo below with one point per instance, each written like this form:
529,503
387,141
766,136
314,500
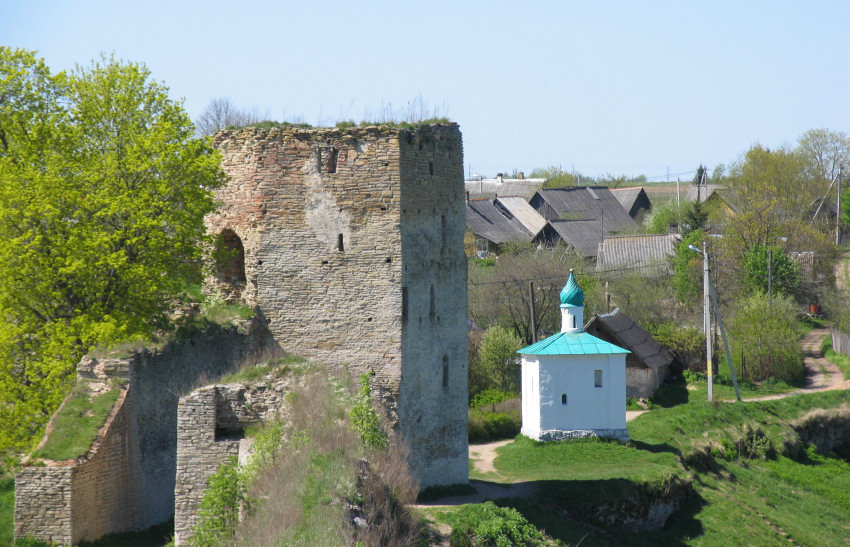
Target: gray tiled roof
582,235
520,209
635,250
629,335
486,220
589,202
632,199
705,191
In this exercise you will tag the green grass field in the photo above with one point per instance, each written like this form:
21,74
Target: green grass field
742,494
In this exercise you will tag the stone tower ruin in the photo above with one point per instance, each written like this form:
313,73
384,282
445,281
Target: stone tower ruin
350,244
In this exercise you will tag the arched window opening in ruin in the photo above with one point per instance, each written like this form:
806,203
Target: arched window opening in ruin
563,398
230,258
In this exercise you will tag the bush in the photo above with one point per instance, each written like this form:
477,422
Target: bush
490,397
686,344
498,359
765,333
495,421
486,524
219,510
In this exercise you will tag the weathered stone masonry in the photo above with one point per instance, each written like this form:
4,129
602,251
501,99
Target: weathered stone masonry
353,251
127,480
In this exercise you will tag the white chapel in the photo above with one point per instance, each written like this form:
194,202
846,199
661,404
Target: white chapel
573,384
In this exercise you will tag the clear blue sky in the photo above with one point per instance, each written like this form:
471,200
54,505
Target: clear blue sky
602,87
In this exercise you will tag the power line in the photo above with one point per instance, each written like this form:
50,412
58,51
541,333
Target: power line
596,273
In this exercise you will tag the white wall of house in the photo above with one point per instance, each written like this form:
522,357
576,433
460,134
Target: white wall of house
547,378
530,397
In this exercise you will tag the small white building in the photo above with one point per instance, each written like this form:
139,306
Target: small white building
573,384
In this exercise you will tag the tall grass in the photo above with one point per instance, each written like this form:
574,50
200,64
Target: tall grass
323,480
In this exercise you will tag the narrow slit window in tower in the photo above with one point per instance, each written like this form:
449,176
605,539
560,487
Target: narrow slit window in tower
432,307
445,371
404,305
444,230
339,243
564,399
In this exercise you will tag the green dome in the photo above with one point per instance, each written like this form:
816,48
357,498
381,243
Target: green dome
571,294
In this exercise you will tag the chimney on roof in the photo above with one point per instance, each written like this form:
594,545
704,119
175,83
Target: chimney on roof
499,177
521,175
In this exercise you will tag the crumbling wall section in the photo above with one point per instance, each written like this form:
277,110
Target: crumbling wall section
127,480
211,422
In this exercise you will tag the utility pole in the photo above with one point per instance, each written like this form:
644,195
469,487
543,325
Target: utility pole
706,287
725,341
838,206
531,305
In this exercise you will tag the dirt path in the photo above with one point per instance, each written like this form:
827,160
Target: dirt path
821,374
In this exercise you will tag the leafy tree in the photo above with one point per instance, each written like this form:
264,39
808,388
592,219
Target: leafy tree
556,177
687,268
782,270
661,216
824,151
103,192
498,360
694,217
764,332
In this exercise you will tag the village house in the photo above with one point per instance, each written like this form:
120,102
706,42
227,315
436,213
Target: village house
637,252
573,383
634,200
648,364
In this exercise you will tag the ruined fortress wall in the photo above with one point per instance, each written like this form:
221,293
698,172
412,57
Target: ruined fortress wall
127,481
433,396
43,504
318,212
344,233
199,454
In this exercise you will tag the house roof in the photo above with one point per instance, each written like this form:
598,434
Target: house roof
572,343
520,209
508,187
632,199
488,221
705,190
635,250
625,332
588,202
583,235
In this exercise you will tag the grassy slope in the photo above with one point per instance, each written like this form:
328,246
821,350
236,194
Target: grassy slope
737,500
76,425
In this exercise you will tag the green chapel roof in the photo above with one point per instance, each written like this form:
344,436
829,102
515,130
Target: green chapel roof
571,294
572,343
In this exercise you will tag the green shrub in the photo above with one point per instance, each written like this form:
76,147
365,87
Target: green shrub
495,421
486,524
498,360
490,397
219,510
364,419
764,331
686,344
